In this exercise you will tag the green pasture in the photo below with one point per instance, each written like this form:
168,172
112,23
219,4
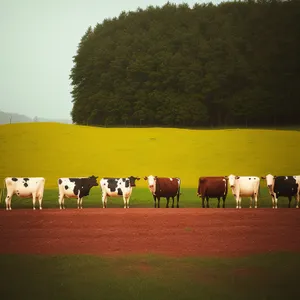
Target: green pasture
141,198
267,276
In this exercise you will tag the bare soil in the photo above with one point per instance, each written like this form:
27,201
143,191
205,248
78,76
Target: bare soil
173,232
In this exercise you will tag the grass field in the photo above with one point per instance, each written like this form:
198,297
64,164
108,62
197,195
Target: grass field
269,276
57,150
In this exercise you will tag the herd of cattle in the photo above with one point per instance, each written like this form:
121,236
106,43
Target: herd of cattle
160,187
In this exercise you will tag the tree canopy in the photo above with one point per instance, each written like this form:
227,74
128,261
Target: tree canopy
235,63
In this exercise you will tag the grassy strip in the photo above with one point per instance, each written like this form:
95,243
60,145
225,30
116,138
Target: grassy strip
268,276
141,198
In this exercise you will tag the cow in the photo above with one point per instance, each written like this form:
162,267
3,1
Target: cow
284,186
25,187
117,187
75,187
212,187
164,187
244,186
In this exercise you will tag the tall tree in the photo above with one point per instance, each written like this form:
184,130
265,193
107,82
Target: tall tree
235,63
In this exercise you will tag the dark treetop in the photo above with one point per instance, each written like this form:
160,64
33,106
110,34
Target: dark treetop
236,63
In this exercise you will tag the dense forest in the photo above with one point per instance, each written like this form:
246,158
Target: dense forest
231,64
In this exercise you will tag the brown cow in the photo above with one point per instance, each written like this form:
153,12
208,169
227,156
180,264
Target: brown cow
164,187
212,187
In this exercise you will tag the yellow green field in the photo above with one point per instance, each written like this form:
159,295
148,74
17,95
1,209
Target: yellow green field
55,150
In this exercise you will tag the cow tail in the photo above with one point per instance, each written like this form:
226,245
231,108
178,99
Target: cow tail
199,188
178,192
2,191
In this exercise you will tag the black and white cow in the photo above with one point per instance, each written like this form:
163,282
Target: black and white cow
117,187
25,187
76,187
283,186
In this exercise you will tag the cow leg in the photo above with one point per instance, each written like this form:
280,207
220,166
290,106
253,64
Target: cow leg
275,196
290,199
40,201
167,205
104,200
127,202
173,202
158,202
273,200
8,201
207,202
223,202
238,201
297,200
124,200
154,198
218,202
60,197
255,199
80,203
251,201
33,200
203,204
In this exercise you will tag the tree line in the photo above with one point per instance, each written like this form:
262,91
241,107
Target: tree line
232,64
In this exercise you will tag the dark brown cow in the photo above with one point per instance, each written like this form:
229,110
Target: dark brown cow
164,187
212,187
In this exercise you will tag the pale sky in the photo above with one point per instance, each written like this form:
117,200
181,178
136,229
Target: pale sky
39,39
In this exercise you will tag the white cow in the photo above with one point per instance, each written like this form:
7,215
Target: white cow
117,187
25,187
244,186
284,186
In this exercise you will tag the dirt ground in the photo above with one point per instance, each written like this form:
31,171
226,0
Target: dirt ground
173,232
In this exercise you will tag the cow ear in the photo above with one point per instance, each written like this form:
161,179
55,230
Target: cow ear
226,177
145,178
274,176
138,178
237,177
263,177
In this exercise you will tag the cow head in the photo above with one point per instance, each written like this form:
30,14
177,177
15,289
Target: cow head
132,180
270,181
93,181
151,183
232,180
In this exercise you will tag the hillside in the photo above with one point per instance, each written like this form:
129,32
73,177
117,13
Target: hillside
7,117
55,150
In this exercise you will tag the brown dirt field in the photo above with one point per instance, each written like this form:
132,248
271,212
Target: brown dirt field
173,232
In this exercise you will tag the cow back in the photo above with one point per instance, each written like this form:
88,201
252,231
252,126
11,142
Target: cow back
166,187
285,186
82,185
212,186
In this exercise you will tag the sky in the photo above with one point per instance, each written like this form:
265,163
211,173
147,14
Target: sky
38,41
